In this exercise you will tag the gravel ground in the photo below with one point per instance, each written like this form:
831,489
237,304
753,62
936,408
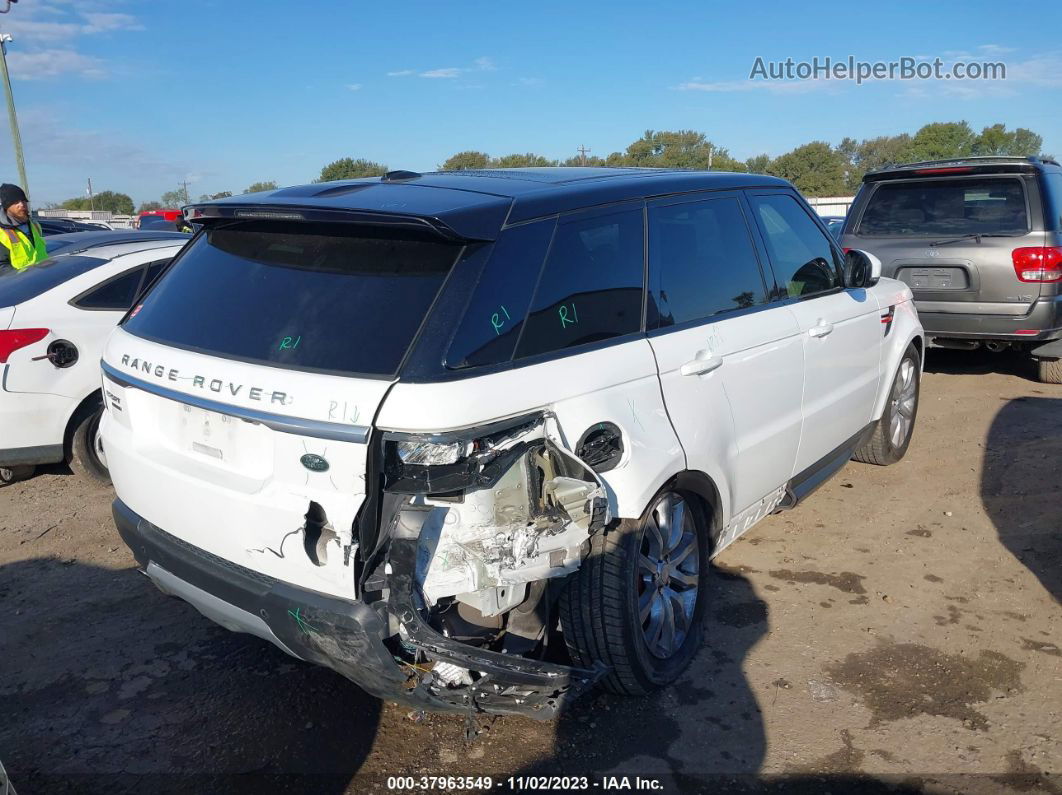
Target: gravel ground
899,631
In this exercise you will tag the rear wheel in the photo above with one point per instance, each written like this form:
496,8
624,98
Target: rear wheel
1050,371
637,603
9,475
892,434
86,450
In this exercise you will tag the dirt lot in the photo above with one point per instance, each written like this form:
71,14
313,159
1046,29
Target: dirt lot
899,630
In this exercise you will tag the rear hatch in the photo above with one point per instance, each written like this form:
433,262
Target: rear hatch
241,392
951,240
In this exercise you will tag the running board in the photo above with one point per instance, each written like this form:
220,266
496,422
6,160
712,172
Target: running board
808,481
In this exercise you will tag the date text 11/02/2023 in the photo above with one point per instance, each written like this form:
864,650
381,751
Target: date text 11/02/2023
524,783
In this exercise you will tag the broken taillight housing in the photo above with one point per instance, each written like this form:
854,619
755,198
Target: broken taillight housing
13,339
451,462
1038,263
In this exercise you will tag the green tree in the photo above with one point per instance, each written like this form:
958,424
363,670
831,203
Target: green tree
591,161
176,198
678,149
256,187
758,164
463,161
873,153
349,168
996,140
108,200
941,140
527,160
817,169
148,207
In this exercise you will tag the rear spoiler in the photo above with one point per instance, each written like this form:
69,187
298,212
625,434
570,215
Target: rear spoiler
958,168
210,215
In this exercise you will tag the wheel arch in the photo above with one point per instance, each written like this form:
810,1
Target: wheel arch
89,404
699,484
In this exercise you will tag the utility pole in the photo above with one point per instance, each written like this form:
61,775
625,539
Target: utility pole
710,147
582,154
16,139
185,186
92,200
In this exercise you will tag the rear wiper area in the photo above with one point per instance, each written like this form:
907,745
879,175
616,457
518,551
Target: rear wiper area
972,236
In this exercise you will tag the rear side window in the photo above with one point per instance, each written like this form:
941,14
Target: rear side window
117,294
931,208
313,297
495,315
701,261
19,286
591,284
804,261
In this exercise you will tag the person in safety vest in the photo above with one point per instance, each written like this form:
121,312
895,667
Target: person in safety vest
21,239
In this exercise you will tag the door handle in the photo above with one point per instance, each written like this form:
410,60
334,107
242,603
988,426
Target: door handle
704,363
821,330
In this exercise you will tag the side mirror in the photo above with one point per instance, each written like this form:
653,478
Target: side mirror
861,268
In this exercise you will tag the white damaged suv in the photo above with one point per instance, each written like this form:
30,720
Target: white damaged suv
471,439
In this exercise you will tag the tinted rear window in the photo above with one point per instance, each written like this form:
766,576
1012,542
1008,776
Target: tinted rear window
305,296
987,206
19,286
156,222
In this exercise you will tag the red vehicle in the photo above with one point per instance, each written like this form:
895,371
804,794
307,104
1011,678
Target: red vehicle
158,219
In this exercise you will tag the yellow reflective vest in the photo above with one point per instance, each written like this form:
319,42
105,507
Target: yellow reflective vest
22,251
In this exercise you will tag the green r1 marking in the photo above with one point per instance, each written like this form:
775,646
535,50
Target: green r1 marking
288,343
564,319
497,322
304,625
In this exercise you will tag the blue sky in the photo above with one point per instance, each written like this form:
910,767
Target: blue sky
224,93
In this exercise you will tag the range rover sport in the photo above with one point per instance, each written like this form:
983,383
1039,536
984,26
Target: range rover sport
472,439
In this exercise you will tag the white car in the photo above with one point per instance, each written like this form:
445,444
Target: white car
54,320
412,427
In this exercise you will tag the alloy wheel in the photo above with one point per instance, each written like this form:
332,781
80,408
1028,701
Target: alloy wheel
668,575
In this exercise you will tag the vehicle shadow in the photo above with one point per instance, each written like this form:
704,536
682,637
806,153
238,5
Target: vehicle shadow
109,686
1021,485
980,362
706,727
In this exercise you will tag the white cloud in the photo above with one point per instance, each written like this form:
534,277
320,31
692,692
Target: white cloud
481,64
448,73
354,86
46,34
995,49
54,62
530,82
104,23
770,86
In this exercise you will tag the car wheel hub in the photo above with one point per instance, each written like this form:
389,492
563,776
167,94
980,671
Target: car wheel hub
668,576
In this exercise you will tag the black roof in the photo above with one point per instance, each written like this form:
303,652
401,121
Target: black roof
984,164
469,204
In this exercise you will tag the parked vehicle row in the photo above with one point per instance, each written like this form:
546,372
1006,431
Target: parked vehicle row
472,439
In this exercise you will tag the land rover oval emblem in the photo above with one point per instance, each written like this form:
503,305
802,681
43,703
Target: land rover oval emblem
314,462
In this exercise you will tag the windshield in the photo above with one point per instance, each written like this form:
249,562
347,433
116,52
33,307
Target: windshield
19,286
156,222
317,297
947,207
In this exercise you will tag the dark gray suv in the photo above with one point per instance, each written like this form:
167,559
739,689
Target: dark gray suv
979,241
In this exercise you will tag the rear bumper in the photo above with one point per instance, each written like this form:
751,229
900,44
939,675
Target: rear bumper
1045,317
349,636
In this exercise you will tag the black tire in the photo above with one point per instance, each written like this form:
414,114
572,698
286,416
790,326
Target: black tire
9,475
85,459
1049,371
883,448
599,609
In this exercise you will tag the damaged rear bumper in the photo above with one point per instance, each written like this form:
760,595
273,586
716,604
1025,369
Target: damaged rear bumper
348,636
